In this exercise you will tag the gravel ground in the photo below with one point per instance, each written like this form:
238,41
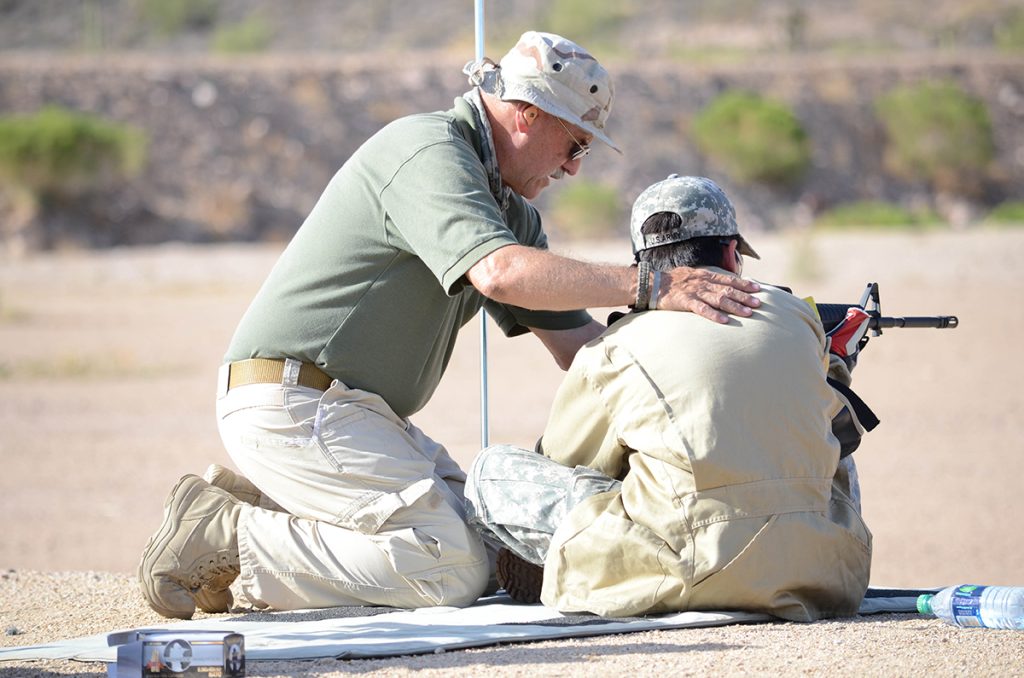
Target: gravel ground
49,605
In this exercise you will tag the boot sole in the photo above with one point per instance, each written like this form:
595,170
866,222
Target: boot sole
156,545
521,580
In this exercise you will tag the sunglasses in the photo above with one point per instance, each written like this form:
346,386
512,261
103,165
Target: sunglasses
579,150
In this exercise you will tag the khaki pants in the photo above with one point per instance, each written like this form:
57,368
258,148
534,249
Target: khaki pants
371,509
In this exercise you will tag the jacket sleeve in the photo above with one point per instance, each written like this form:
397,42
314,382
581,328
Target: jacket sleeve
580,429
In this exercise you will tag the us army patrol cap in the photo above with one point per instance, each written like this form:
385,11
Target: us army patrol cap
555,75
699,202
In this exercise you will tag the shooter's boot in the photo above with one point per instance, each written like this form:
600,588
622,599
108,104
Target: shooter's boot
193,558
521,579
234,483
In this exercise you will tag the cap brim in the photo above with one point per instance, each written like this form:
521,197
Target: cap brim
745,249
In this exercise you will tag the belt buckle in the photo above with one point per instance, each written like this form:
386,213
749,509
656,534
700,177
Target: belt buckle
290,372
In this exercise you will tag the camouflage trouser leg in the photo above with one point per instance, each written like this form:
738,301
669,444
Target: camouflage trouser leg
517,498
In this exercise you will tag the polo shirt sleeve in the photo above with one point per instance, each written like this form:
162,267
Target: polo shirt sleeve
525,222
438,207
514,320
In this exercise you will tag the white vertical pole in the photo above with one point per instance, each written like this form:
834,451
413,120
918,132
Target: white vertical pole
484,433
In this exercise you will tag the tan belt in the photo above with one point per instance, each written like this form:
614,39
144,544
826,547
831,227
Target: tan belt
271,371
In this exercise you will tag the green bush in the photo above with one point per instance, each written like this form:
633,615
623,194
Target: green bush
592,24
1010,34
754,139
873,214
62,152
937,134
170,17
252,35
1009,212
586,208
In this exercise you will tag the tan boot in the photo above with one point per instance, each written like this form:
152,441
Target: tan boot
234,483
193,558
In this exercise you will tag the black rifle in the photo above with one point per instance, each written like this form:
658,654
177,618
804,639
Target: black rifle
845,430
833,314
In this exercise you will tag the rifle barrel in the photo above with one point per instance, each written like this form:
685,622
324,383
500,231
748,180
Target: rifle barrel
939,322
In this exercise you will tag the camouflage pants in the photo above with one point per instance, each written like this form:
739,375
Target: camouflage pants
517,498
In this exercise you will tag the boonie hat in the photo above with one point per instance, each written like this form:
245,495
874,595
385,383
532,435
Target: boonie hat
555,75
699,202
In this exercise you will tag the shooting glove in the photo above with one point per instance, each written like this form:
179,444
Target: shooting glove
849,337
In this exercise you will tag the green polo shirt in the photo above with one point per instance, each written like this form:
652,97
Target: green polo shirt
372,288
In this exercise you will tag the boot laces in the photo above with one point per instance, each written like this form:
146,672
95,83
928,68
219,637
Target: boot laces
211,572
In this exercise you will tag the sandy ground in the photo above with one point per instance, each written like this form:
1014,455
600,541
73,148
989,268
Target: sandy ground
107,374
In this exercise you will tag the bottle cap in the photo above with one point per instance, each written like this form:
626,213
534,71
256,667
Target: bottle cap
924,603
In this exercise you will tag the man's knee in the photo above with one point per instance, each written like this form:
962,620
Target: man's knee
491,470
501,460
447,566
466,584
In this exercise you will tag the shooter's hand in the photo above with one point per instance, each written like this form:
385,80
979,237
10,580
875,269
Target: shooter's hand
849,337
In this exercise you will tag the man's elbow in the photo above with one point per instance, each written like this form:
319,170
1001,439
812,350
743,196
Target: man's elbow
486,282
492,276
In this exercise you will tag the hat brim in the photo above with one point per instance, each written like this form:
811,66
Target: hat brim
512,91
744,247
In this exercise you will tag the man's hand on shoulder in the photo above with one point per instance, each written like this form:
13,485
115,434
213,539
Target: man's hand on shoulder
707,293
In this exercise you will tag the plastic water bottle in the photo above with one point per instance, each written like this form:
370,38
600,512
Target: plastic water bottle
994,607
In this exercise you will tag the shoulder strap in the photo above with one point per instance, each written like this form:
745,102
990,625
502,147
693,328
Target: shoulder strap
852,421
865,416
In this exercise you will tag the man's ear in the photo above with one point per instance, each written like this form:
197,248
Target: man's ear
525,116
731,257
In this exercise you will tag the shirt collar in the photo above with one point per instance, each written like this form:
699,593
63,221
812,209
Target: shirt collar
488,154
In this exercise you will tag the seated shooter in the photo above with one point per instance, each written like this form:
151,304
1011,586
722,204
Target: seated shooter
688,465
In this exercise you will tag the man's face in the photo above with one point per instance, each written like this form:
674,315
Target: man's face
544,153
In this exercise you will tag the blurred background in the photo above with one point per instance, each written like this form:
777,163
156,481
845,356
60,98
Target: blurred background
146,121
155,156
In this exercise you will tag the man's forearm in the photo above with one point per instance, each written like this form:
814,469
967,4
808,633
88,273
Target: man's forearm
563,344
539,280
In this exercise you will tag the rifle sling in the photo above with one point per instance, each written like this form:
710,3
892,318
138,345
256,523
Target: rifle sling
864,414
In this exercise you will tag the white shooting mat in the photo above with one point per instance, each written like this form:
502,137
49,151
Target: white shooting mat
335,632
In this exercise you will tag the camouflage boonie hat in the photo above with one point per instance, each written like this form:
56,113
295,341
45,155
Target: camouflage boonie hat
555,75
699,202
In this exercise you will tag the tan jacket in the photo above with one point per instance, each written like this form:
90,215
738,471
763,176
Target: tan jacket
730,496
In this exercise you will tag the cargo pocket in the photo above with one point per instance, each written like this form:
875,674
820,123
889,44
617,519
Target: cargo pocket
369,447
443,563
374,508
